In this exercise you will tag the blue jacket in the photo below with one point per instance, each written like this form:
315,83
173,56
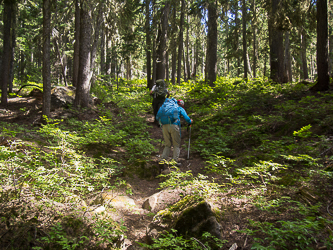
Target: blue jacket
181,112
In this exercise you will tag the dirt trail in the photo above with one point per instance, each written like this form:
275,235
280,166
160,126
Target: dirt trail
138,220
27,111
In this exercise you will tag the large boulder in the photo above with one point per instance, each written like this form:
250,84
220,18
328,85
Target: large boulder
197,219
190,217
62,97
161,200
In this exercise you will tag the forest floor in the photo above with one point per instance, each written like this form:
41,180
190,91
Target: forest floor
28,110
236,211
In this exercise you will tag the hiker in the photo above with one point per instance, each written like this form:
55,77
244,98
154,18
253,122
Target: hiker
159,93
169,117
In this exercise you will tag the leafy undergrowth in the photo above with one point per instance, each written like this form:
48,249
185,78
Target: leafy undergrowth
266,145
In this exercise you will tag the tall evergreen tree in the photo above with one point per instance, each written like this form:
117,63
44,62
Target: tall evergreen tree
276,42
162,42
211,54
7,44
148,45
244,12
322,47
46,58
180,41
76,44
84,74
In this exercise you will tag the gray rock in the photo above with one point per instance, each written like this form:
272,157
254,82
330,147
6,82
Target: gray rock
62,97
197,219
161,200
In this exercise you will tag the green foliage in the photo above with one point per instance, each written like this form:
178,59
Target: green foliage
262,172
303,132
170,241
299,234
195,186
102,231
219,164
259,140
139,149
295,234
57,238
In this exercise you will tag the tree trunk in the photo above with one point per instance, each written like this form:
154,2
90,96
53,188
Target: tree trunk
330,52
46,59
188,68
83,87
180,42
76,44
96,36
196,58
305,74
237,39
184,64
63,68
162,46
148,45
12,49
244,40
103,50
254,24
173,45
211,54
276,45
287,60
6,56
248,65
167,66
322,50
154,21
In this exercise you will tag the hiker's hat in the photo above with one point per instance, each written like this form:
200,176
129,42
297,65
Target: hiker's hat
180,102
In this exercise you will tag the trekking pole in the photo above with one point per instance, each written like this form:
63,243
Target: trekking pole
189,141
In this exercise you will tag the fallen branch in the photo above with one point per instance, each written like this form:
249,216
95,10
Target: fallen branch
28,85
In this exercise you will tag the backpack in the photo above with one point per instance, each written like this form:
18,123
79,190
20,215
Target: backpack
168,112
160,91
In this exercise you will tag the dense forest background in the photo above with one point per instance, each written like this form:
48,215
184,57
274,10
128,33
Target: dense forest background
77,42
255,77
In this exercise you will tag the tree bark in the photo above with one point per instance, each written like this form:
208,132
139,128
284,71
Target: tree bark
188,68
6,56
84,74
173,45
211,54
180,41
12,49
305,72
102,64
254,25
236,48
244,40
148,45
287,60
76,44
276,45
46,59
330,52
162,46
96,36
322,50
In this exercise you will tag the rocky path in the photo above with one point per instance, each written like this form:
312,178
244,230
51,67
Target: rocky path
137,219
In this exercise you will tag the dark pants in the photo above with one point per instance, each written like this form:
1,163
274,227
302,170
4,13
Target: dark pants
157,103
